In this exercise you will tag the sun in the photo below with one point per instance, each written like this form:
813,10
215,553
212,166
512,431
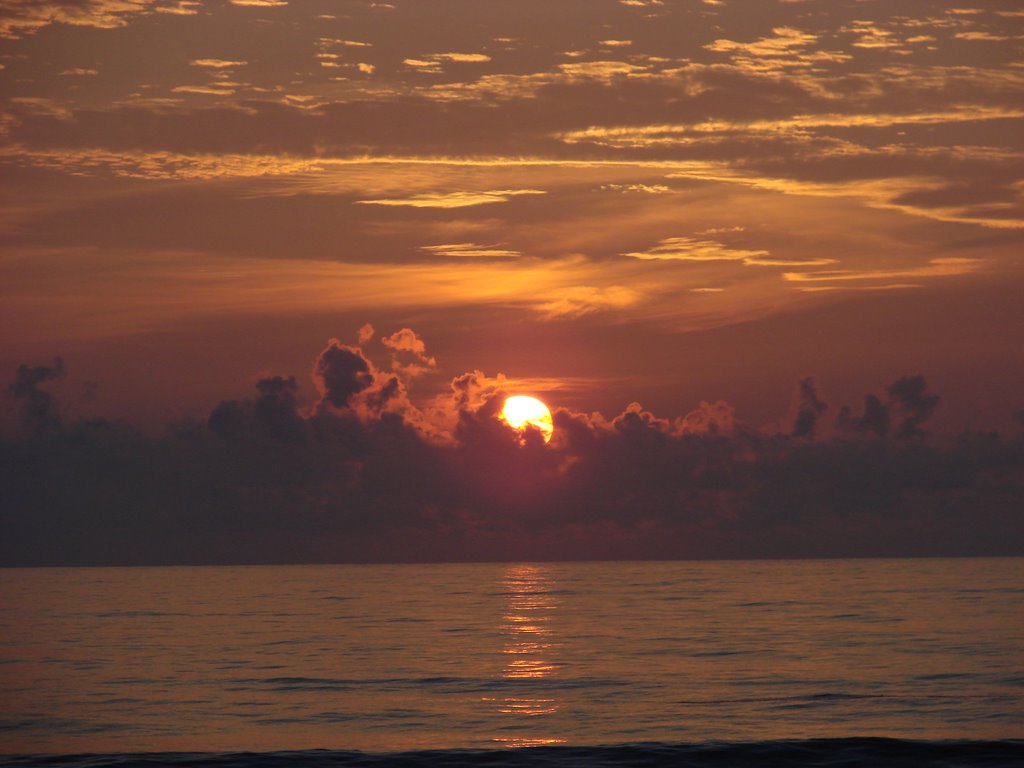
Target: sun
522,411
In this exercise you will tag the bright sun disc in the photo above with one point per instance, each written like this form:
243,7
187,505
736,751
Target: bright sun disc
522,411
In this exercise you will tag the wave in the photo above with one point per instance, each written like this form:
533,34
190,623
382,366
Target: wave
825,753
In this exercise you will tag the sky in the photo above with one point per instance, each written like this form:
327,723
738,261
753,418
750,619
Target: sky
775,232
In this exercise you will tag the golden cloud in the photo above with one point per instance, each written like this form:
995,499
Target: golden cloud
454,199
217,63
690,249
470,250
942,267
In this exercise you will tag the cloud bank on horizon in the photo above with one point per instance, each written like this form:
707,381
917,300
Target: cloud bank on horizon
362,473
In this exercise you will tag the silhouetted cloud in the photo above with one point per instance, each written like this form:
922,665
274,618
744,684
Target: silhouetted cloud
340,372
272,414
367,475
809,408
909,405
717,418
912,404
875,419
38,407
454,199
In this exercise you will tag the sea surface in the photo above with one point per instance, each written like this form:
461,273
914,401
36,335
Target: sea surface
828,662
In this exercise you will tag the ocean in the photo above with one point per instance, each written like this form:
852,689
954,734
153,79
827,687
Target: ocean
803,662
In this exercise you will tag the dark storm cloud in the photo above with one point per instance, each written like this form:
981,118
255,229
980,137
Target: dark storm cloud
809,408
875,419
340,372
908,406
913,405
38,407
273,413
366,475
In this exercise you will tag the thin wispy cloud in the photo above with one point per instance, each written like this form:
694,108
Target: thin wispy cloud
217,63
453,199
941,267
470,250
691,249
781,43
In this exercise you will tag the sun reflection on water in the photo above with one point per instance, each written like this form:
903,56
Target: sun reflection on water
529,654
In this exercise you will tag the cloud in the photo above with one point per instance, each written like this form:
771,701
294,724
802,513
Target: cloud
470,250
350,384
940,267
784,40
880,287
181,8
762,261
25,18
365,475
217,63
341,372
985,36
38,407
409,356
717,418
273,414
691,249
600,70
578,300
205,90
912,404
651,189
433,62
454,199
875,419
908,406
460,58
422,65
809,408
406,340
666,133
872,36
474,388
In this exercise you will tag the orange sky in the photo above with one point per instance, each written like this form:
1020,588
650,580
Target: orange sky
607,201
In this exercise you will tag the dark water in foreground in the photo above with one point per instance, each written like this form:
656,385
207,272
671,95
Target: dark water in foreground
777,754
672,658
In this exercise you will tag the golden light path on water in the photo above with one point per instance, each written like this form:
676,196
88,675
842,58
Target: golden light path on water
388,658
529,652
